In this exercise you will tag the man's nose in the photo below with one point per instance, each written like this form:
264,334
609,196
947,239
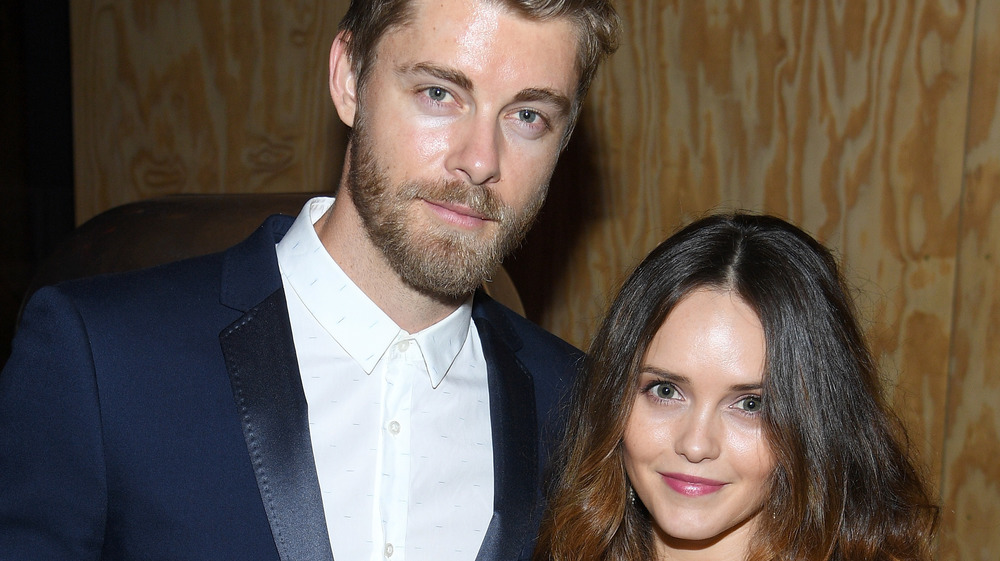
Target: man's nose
475,157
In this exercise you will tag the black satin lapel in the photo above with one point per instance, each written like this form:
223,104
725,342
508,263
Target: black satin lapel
263,370
515,450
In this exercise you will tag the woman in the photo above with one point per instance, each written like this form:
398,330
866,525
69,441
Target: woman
731,409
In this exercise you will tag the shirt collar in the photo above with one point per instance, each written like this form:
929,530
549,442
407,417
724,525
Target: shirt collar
363,330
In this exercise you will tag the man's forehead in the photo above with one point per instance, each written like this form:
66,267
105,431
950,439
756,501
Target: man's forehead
424,15
468,34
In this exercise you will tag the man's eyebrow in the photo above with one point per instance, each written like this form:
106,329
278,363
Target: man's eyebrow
545,95
460,79
452,75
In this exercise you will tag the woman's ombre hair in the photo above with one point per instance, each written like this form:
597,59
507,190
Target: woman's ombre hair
844,486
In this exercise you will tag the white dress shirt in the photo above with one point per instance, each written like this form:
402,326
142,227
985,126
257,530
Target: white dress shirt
400,422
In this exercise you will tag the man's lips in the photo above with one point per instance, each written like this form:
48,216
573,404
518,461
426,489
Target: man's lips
690,485
459,214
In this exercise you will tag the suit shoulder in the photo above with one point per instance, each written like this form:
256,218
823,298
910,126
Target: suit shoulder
253,257
539,350
177,281
529,332
533,335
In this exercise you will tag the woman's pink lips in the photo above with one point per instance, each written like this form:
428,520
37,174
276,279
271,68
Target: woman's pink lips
690,485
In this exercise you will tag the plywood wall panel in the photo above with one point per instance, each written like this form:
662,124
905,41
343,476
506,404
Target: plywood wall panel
850,118
187,97
846,117
971,477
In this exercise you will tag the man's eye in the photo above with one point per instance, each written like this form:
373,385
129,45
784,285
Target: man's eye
528,116
664,391
750,403
436,93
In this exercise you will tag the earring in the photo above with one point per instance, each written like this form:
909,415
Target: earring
631,495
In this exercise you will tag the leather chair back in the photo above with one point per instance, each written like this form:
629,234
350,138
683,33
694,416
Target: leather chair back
174,227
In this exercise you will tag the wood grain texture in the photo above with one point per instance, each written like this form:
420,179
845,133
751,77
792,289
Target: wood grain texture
846,117
209,97
971,477
858,120
849,118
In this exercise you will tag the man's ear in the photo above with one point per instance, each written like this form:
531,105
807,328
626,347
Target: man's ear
343,82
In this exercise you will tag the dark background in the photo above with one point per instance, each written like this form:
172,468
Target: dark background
36,146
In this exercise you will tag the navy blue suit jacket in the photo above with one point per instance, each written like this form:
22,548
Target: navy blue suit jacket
159,414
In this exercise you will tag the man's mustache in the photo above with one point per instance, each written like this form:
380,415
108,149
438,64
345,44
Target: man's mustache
481,199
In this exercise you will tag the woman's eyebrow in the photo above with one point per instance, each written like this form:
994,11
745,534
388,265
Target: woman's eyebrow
679,379
661,373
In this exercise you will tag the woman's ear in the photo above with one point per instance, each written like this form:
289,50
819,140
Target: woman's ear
343,83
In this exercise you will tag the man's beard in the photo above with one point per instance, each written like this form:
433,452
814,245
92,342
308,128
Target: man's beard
441,261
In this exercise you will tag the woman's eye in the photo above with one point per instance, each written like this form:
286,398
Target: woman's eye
750,403
664,391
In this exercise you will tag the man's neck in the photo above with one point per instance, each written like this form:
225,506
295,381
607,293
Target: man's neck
342,233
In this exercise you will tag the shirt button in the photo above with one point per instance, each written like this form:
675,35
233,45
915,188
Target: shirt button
388,550
403,345
394,429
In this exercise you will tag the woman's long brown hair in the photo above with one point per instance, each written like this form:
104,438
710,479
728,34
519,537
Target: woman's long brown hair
844,488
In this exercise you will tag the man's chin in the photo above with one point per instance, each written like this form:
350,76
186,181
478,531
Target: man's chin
447,271
450,289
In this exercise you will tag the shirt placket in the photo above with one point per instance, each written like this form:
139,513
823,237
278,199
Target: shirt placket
402,369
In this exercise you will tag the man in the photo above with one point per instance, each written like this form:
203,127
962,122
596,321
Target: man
163,414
